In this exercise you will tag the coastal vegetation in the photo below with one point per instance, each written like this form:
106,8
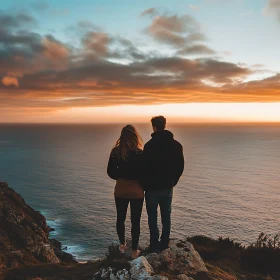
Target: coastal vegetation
259,260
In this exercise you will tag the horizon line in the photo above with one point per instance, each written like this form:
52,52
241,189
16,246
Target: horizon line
141,122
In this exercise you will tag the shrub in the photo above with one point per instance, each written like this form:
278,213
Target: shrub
263,256
211,249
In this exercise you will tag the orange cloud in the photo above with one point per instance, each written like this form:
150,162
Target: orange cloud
54,50
171,29
9,81
97,42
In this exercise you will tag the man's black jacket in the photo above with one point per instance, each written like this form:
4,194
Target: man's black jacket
163,161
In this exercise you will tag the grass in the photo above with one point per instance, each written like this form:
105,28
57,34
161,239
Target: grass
259,261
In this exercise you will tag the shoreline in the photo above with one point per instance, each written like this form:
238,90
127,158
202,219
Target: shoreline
70,249
74,249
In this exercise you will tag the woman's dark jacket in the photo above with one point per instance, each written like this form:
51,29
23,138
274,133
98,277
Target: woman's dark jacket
130,169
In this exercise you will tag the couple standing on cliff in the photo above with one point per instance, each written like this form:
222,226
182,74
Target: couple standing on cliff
151,173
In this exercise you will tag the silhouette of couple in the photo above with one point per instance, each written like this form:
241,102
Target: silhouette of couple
150,173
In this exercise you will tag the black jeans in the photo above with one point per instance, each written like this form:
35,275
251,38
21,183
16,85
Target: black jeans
163,199
136,206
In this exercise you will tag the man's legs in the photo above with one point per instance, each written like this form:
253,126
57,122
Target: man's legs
165,202
152,206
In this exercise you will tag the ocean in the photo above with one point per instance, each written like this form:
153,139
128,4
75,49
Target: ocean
230,186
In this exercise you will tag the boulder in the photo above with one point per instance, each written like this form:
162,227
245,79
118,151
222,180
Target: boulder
154,260
180,258
111,274
140,268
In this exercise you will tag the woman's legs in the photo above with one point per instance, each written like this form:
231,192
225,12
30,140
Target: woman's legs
121,205
136,206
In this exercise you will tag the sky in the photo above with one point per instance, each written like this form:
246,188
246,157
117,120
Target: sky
110,61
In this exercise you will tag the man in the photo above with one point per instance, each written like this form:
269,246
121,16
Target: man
163,166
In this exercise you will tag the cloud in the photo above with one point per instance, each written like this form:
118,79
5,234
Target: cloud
97,42
273,7
181,32
86,26
15,20
125,49
196,49
8,81
168,37
24,51
149,12
172,29
196,37
54,49
156,77
174,23
40,71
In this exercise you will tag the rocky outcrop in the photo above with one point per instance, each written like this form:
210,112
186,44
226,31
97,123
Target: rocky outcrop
111,274
180,261
179,258
140,268
24,233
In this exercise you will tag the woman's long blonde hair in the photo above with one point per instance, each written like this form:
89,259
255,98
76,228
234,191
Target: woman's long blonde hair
130,140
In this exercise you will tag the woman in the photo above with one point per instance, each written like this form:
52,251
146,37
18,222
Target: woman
125,166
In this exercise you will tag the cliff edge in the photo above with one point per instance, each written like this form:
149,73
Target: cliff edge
24,234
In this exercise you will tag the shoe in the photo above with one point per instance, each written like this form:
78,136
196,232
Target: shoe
122,248
135,254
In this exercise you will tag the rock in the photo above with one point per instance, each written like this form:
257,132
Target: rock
23,232
63,256
140,268
114,251
180,257
184,277
156,277
111,274
154,259
51,229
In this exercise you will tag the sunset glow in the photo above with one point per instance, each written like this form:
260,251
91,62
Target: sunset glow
191,112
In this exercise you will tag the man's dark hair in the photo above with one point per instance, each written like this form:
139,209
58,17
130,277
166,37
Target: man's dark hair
159,122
